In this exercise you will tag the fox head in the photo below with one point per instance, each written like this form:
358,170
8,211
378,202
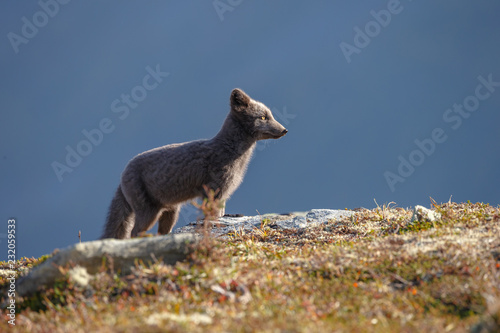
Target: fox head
255,117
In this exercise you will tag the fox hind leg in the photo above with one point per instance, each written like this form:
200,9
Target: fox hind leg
167,220
144,220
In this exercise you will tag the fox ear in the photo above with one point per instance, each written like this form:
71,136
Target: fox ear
239,100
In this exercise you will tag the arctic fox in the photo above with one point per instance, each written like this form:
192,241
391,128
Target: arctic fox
155,183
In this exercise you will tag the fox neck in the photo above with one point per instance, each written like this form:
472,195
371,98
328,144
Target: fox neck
235,137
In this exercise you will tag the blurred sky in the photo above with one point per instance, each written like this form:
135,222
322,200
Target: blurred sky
351,119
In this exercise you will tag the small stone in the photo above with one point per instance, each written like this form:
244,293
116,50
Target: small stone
421,214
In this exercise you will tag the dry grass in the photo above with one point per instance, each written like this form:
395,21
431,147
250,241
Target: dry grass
373,272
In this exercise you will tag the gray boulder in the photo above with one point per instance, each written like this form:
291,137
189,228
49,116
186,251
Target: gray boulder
313,217
295,220
122,253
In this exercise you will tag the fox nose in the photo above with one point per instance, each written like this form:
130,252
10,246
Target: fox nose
284,131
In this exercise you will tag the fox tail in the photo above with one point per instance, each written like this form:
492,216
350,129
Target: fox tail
119,223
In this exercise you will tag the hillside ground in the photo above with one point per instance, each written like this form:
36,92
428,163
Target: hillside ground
372,272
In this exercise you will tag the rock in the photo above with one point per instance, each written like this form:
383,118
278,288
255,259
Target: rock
421,213
323,215
121,254
297,222
238,221
288,221
313,217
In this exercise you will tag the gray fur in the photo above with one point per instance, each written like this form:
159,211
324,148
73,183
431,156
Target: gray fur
155,183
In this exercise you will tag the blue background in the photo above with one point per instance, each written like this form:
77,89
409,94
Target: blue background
349,122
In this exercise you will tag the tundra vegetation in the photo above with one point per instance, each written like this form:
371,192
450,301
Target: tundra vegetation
374,271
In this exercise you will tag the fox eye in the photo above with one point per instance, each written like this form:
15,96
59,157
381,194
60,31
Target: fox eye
263,118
